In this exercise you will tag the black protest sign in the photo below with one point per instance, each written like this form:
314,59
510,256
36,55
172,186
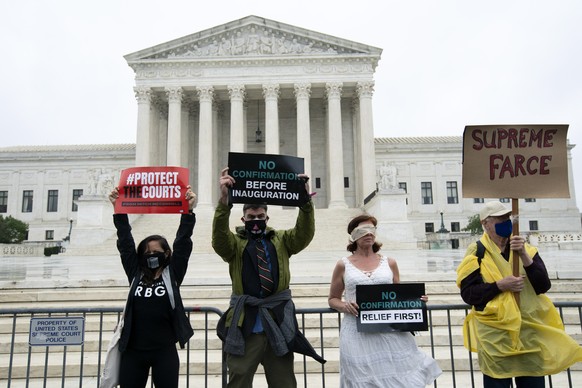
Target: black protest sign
391,307
268,179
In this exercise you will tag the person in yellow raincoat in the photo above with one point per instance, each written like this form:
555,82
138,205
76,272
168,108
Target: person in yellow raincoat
525,341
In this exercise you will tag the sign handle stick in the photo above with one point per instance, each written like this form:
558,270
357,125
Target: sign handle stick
515,254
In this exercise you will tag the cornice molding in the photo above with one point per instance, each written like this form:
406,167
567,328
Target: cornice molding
197,71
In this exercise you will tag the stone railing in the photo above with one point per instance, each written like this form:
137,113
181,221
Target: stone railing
551,237
565,240
26,249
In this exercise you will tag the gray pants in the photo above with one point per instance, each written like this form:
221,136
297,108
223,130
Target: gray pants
278,370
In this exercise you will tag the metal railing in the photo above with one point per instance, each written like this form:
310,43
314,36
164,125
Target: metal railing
203,359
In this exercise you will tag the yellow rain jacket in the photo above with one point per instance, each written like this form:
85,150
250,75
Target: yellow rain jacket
512,340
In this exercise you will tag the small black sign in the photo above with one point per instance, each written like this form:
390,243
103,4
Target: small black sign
269,179
391,307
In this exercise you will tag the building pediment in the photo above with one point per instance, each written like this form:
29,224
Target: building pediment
253,36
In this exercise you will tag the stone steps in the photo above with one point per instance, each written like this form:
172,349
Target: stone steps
305,295
330,229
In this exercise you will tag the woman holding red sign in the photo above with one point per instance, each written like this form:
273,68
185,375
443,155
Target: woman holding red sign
379,359
154,314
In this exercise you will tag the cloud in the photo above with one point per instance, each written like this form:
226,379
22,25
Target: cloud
445,64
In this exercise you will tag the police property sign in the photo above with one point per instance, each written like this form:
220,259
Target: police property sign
57,331
269,179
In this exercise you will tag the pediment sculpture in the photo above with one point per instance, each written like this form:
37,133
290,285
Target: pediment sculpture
253,40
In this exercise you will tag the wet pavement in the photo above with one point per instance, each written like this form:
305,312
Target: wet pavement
208,269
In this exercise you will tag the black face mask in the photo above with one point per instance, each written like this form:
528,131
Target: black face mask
256,228
154,260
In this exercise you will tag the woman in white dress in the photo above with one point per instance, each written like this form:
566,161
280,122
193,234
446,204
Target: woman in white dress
367,360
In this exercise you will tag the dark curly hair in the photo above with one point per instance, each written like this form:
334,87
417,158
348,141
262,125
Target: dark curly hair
352,246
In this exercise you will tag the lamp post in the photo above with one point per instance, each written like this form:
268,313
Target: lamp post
442,232
68,238
258,133
442,229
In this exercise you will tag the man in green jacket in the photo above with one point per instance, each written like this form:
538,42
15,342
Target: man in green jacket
260,325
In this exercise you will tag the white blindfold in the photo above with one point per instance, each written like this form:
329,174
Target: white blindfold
362,231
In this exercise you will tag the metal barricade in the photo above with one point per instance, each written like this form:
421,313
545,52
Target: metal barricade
203,361
81,366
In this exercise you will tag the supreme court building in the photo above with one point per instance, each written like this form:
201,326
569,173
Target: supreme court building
260,86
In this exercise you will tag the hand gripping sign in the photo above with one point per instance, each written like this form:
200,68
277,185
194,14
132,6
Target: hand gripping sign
145,190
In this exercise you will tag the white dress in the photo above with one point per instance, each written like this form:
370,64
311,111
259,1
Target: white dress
381,360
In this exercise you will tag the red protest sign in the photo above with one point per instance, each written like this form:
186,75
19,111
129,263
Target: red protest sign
144,190
515,161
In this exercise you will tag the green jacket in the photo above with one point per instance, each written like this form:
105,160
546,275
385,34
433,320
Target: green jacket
230,246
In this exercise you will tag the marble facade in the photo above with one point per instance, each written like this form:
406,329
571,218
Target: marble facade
260,86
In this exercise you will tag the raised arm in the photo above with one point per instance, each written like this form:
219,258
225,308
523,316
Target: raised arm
125,242
182,247
223,240
225,182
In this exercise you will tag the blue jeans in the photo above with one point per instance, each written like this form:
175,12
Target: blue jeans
520,382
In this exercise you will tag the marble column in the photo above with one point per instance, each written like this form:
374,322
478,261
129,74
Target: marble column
237,96
174,146
191,151
142,146
245,124
357,151
161,134
205,147
185,149
217,144
302,94
271,94
335,158
367,151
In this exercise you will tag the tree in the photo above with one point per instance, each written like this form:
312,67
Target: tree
12,230
474,226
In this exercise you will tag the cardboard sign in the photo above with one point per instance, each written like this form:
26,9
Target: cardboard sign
515,161
391,307
269,179
61,331
144,190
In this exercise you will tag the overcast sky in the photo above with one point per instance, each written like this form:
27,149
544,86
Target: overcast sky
445,64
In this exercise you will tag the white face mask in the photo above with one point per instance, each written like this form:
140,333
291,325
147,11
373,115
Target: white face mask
362,231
